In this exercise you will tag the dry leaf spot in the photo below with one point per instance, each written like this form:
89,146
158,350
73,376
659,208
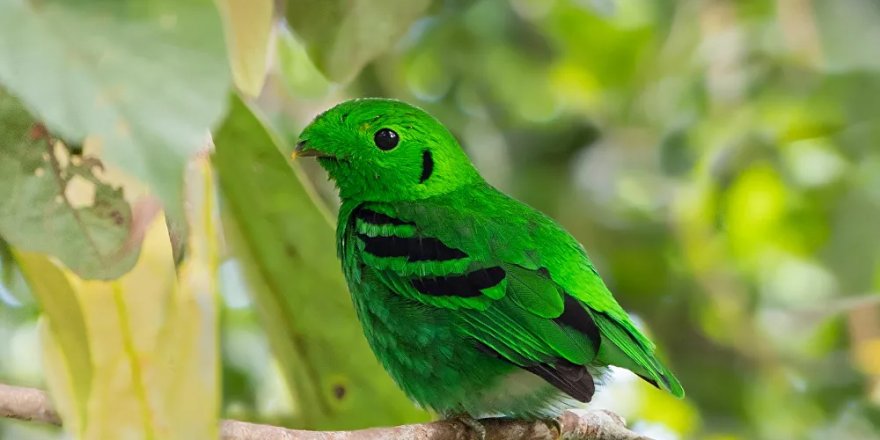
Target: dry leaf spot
38,131
339,391
60,152
80,192
290,250
117,217
39,172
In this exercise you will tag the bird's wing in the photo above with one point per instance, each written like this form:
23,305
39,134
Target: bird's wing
452,249
513,312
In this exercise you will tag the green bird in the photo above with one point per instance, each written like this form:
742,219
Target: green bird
475,303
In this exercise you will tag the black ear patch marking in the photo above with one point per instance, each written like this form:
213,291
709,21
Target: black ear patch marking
427,166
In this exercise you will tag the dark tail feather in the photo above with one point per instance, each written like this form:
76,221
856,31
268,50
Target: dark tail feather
573,379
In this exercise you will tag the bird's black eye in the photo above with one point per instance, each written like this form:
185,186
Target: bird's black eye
386,139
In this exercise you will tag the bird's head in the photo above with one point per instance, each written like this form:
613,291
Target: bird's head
385,150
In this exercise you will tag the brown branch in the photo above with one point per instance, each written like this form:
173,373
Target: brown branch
26,404
34,405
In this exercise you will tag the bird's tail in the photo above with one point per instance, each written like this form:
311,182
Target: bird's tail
624,346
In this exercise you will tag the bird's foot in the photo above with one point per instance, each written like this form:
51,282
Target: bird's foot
470,424
555,427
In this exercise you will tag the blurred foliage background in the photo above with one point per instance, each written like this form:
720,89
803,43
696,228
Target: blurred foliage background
720,160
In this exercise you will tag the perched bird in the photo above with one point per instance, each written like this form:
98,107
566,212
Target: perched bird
475,303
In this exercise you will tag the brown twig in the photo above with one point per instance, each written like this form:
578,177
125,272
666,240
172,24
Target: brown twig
34,405
26,404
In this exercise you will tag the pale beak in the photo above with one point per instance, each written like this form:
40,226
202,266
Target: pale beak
302,150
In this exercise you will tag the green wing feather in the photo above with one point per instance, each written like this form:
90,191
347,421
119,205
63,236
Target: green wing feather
517,317
498,319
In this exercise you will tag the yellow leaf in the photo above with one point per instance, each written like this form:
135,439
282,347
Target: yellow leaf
248,26
191,389
149,338
69,348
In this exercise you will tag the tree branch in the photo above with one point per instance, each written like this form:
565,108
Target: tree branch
27,404
34,405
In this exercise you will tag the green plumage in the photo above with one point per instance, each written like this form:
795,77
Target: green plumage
474,302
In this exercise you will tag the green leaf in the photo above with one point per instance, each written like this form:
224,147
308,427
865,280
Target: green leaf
248,25
287,246
343,36
51,202
302,78
145,80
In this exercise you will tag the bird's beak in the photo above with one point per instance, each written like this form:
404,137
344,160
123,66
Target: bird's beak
302,150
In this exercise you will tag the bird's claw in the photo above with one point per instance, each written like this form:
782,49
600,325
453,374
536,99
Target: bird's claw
471,424
555,426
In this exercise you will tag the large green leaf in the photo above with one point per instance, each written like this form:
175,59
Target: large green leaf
51,202
286,243
144,79
302,78
342,36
